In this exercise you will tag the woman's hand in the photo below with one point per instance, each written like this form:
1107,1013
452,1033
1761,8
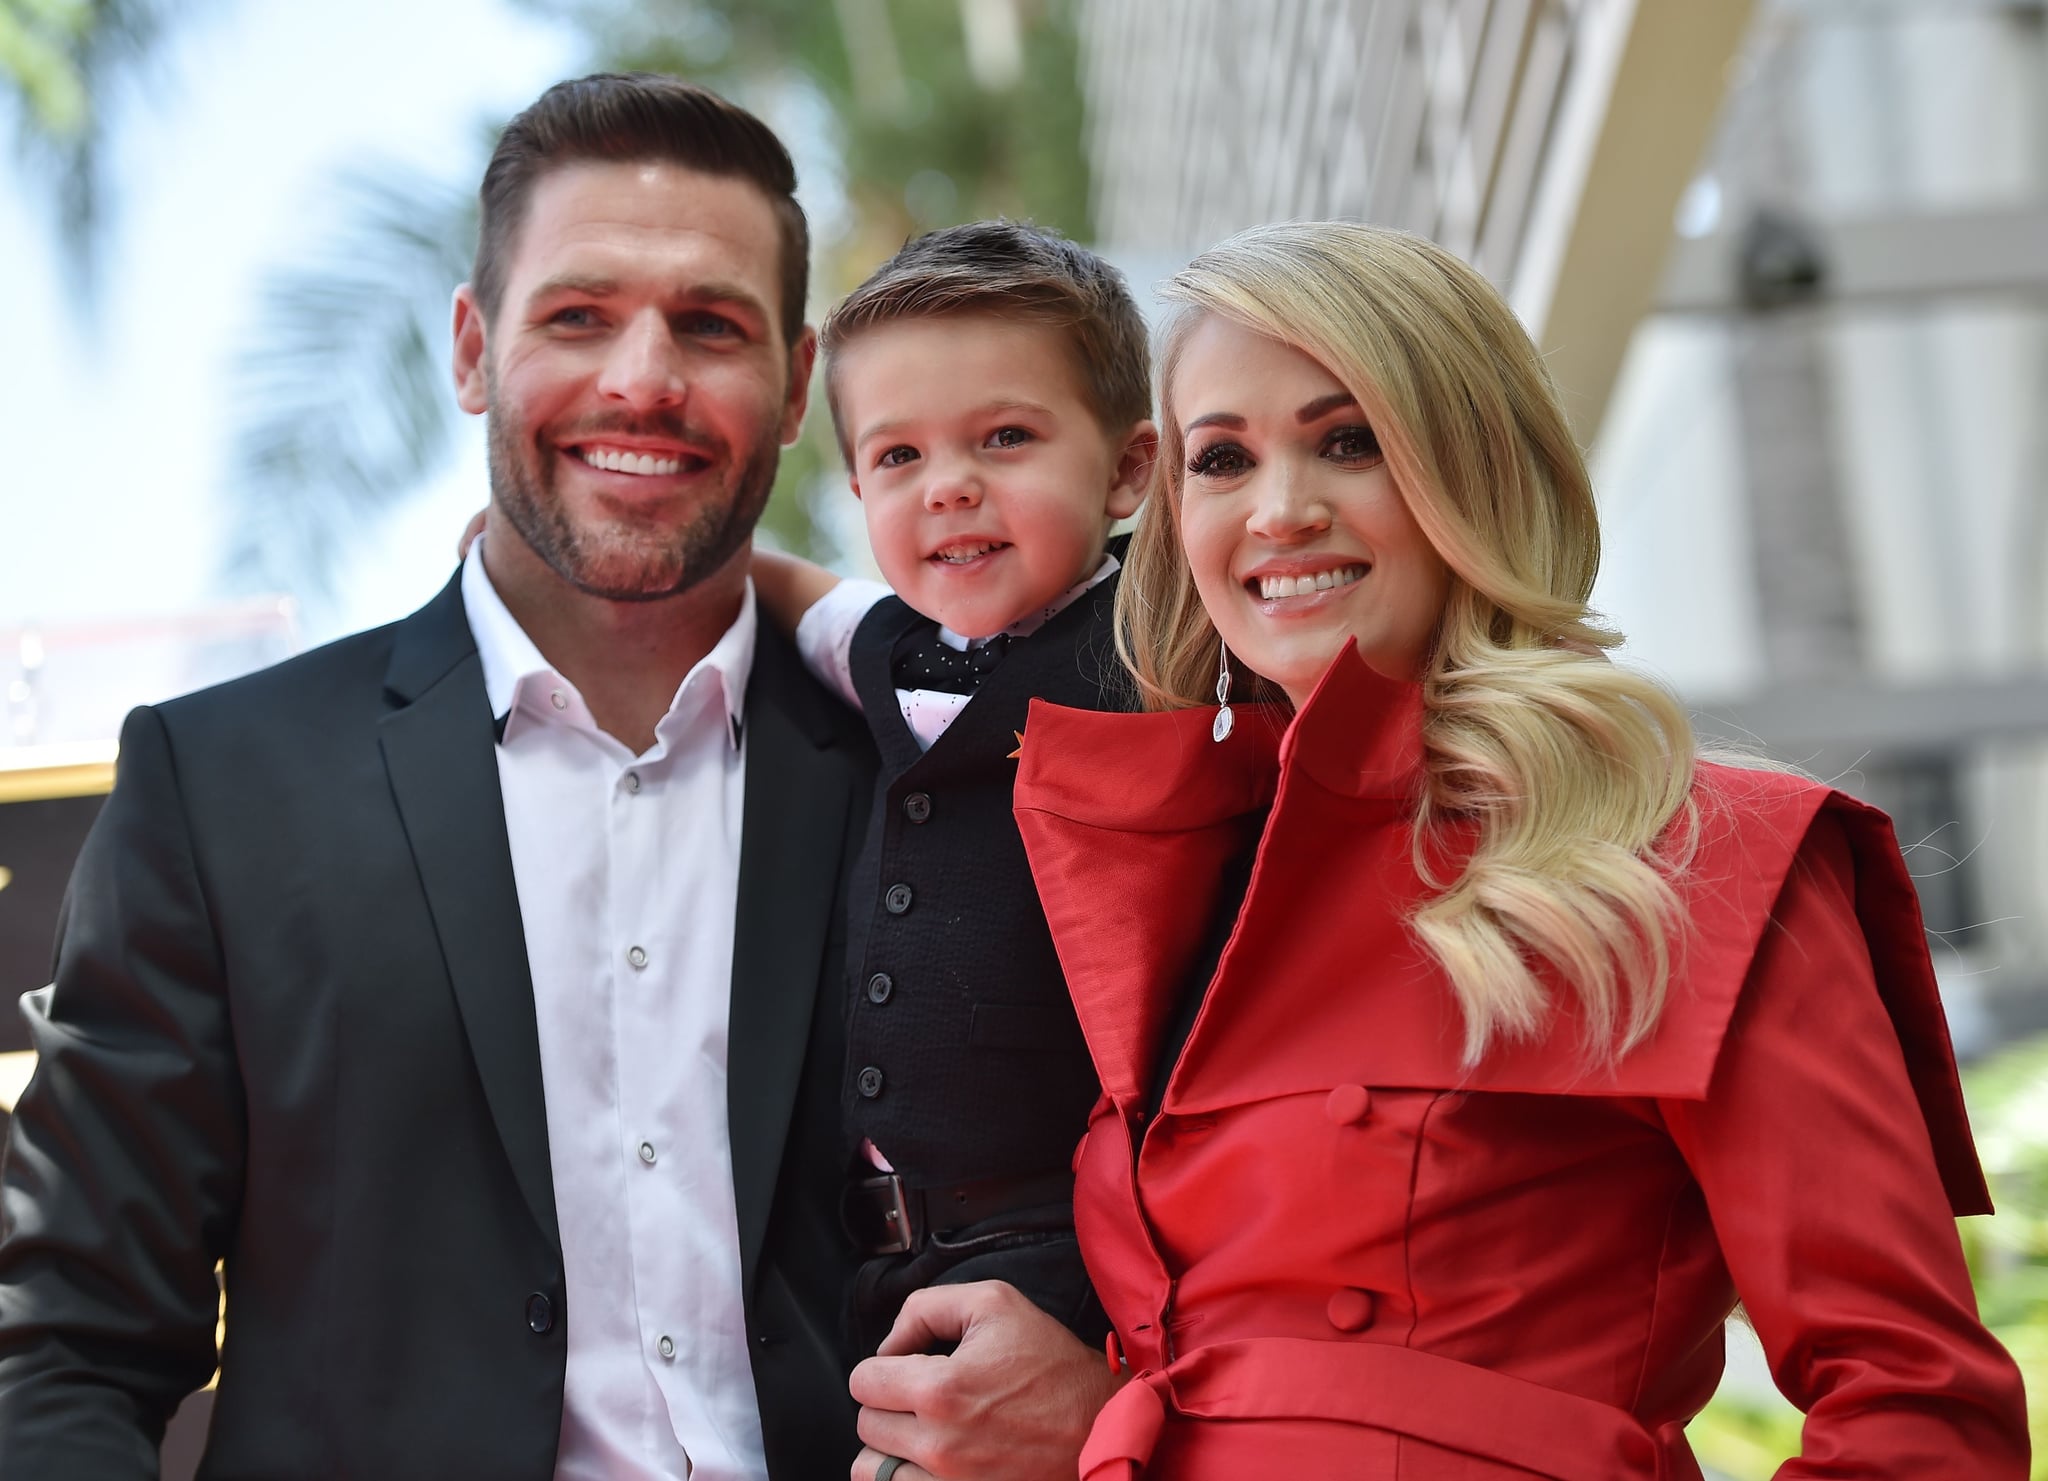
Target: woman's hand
788,587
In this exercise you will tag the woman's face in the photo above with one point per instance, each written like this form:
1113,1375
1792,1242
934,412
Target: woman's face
1296,535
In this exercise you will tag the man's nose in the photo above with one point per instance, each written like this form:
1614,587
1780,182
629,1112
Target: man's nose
644,366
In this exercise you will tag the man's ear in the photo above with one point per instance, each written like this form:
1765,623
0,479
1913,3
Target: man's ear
1133,475
469,352
802,356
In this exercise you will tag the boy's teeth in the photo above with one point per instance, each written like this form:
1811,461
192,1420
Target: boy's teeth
1272,588
612,460
960,555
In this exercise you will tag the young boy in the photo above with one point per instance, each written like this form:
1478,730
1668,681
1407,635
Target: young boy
990,388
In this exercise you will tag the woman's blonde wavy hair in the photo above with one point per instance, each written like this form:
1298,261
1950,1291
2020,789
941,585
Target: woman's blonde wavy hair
1570,769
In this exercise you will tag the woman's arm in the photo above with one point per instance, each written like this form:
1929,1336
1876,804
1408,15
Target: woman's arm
1818,1171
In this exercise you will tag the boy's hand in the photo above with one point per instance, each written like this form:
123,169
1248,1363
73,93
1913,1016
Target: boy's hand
788,587
470,531
1013,1402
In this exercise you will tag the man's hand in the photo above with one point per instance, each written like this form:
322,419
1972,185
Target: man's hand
1013,1402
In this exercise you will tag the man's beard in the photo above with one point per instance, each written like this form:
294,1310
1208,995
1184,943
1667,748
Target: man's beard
623,561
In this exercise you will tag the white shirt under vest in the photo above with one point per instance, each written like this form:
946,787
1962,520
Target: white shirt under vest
628,876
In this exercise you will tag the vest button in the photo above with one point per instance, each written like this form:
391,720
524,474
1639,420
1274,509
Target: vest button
917,806
870,1082
540,1314
897,900
880,986
1351,1310
1348,1105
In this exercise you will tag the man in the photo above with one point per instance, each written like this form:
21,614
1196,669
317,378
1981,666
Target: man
467,987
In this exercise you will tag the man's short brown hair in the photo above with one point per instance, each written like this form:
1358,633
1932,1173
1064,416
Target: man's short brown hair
1009,270
627,117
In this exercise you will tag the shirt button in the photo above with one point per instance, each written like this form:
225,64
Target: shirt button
559,700
897,900
540,1314
1348,1105
1351,1310
880,986
647,1153
632,781
917,807
870,1082
667,1346
637,956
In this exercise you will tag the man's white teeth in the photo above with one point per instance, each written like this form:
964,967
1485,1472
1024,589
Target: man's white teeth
960,555
614,461
1272,588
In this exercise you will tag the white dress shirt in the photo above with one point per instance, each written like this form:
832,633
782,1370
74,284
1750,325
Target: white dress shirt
627,869
825,639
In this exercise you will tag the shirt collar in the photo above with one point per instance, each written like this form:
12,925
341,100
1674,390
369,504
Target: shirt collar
1038,617
510,659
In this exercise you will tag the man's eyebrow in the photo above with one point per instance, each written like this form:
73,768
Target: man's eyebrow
589,285
596,285
1322,406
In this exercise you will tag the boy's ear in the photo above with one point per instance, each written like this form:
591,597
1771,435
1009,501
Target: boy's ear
853,482
470,391
1133,475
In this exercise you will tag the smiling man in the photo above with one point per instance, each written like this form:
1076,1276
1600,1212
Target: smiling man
465,988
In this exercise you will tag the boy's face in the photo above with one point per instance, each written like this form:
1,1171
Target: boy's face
987,481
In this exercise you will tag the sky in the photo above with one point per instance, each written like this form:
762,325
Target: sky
118,423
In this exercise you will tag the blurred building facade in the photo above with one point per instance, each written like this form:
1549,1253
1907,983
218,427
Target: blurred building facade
1789,263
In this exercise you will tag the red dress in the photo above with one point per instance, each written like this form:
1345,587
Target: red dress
1335,1251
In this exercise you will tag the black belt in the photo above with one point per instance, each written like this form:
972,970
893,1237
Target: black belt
884,1217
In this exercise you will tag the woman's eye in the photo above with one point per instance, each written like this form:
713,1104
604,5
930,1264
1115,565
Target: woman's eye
1009,437
896,457
1219,460
1354,445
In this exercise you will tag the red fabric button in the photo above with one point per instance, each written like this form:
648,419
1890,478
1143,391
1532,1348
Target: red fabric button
1348,1105
1351,1311
1115,1352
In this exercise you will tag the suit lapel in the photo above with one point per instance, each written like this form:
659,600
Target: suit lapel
800,803
440,752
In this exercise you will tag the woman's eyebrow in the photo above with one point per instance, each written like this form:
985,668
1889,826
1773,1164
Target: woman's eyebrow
1216,419
1322,406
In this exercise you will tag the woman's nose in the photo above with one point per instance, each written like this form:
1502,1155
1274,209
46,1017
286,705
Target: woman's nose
1286,504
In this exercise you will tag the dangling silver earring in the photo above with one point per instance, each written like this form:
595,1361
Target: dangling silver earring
1224,719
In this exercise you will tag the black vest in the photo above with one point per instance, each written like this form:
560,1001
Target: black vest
964,1058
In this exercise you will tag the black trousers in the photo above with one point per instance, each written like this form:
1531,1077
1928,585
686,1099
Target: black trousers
1035,1250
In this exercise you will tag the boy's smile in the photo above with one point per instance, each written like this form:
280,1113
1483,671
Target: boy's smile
988,482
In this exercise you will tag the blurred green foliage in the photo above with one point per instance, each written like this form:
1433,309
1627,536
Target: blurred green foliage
1746,1440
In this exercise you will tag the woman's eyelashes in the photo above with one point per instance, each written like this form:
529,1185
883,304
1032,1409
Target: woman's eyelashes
1219,460
1348,447
1352,446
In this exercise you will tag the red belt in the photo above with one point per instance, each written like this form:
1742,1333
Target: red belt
1403,1390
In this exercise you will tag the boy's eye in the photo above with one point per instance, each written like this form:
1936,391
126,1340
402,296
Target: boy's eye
896,457
1354,445
1219,460
1009,437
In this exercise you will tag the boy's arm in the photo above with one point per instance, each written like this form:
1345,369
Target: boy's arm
820,610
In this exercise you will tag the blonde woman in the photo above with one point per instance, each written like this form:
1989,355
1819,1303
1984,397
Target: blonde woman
1470,1046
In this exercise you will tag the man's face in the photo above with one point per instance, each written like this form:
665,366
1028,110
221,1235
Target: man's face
635,375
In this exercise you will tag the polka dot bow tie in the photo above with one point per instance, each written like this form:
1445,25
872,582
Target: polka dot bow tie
924,660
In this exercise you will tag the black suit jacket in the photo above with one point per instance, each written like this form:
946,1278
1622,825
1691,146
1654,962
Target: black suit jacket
292,1028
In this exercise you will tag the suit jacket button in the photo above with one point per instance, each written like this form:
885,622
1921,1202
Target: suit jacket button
917,806
880,986
1348,1105
540,1314
870,1082
1351,1311
897,900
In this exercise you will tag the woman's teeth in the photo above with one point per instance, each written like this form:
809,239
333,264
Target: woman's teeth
611,460
960,555
1272,588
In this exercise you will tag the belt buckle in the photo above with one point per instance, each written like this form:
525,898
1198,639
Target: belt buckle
893,1234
